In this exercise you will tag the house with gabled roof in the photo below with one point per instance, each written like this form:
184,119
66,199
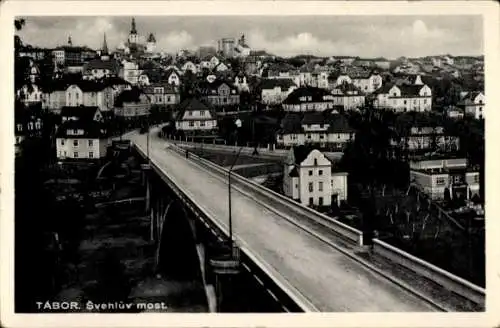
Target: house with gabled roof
173,76
404,98
196,118
312,179
219,93
473,103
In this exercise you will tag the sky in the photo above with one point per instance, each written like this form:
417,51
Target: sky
364,36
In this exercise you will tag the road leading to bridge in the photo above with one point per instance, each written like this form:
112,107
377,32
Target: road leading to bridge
330,280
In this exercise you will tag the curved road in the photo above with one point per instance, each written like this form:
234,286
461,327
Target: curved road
330,280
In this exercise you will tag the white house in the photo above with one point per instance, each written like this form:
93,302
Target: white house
196,118
309,177
88,93
241,83
189,66
368,83
404,98
81,140
30,94
162,94
130,72
173,77
473,103
275,91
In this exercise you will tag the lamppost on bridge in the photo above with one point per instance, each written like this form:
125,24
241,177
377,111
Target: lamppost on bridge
238,125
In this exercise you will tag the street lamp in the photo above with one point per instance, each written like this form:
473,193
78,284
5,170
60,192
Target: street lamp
238,125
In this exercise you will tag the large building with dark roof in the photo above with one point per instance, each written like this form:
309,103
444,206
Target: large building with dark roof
306,99
319,129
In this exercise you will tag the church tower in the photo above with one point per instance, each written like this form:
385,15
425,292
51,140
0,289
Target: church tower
133,38
104,51
70,43
151,43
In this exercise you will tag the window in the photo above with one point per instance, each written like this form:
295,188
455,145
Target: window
440,181
308,136
75,154
321,136
425,101
311,187
19,127
91,143
320,172
202,123
320,201
310,172
75,143
202,113
315,162
62,142
191,123
404,102
91,154
320,186
476,178
311,201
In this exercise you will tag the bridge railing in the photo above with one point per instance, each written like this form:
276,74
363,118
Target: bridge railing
425,269
295,295
348,233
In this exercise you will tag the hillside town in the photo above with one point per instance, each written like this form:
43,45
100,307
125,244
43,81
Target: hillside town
394,147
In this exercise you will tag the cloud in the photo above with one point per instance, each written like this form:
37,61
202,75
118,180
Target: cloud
300,43
175,41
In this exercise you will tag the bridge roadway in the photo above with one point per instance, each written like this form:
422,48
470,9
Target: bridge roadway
324,276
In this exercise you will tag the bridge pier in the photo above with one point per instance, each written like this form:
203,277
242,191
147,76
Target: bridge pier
225,268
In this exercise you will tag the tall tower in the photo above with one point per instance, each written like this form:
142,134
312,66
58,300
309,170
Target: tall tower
151,43
70,43
104,45
104,51
133,38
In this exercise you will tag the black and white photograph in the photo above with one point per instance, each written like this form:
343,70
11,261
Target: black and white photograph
249,163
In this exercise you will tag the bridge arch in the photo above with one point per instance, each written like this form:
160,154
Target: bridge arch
177,254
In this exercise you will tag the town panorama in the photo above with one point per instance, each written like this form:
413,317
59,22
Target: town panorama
232,178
